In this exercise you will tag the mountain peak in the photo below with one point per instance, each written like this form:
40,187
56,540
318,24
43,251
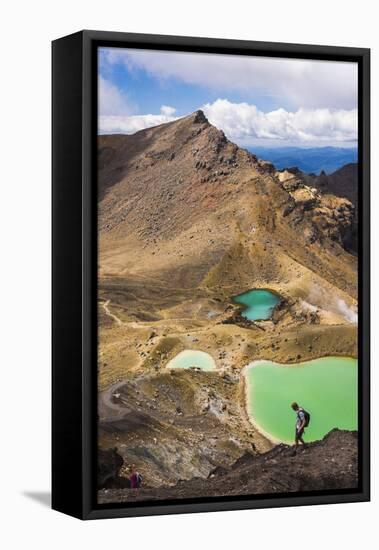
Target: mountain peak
198,117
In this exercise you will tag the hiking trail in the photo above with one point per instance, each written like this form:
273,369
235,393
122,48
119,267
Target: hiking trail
110,314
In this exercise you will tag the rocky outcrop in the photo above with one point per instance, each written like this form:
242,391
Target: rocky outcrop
343,183
329,464
327,216
109,464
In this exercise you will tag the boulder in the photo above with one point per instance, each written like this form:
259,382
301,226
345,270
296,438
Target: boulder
109,464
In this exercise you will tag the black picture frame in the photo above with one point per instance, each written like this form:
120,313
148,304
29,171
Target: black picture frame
74,272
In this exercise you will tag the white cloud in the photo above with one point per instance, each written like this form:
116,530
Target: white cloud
245,123
167,110
318,99
112,101
113,124
295,82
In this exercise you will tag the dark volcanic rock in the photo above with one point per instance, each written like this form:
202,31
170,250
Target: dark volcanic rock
343,183
199,117
108,467
329,464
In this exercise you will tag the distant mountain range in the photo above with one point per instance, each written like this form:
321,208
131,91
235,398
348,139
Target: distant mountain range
309,160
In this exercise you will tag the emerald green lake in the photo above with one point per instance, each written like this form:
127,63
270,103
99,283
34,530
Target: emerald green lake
192,358
259,304
326,388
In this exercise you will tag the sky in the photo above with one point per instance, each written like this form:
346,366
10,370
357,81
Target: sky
262,101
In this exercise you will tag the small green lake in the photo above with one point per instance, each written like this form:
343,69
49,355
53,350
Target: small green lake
326,387
192,358
259,304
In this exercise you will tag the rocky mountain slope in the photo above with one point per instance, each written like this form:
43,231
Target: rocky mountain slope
183,207
177,424
323,465
332,201
342,183
184,181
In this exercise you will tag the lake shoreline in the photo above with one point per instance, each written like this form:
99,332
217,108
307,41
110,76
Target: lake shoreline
274,441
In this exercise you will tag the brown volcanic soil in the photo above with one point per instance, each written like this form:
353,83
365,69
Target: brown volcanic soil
323,465
187,220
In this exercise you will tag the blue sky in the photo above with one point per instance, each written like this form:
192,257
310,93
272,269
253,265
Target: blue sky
254,100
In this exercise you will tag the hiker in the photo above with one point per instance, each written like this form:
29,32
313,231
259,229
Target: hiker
302,422
135,478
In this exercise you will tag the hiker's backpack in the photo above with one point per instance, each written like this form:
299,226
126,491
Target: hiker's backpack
307,418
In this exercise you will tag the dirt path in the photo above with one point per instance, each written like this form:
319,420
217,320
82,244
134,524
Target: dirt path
108,410
130,324
112,315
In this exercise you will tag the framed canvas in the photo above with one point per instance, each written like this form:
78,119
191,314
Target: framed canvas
210,274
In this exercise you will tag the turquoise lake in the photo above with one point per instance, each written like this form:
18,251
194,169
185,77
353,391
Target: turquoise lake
259,304
192,358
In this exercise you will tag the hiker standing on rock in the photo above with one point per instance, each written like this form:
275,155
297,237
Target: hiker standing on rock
135,478
302,422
